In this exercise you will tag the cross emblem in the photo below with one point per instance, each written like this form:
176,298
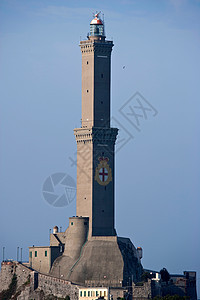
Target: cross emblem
103,174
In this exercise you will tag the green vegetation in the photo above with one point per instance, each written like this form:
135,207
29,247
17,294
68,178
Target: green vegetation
164,275
27,281
146,276
7,294
174,297
141,283
11,291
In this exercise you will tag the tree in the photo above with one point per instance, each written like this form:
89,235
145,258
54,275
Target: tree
146,276
164,275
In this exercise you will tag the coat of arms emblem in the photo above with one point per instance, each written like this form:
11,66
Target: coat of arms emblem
103,173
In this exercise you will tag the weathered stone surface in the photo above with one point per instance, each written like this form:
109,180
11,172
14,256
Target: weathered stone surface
7,271
142,291
48,287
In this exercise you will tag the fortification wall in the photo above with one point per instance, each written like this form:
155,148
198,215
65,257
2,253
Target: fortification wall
58,287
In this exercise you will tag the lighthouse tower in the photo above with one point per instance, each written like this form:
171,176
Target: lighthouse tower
93,253
96,139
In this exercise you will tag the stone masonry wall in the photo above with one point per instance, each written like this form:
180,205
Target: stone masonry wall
143,291
57,287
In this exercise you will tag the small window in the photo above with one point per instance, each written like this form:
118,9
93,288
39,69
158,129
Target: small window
84,293
87,62
35,253
101,75
81,293
97,294
72,223
45,253
88,293
30,254
104,293
87,91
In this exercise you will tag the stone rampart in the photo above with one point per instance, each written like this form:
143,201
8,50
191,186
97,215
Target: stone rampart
57,287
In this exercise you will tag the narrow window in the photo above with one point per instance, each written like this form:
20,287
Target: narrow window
88,293
84,293
72,223
35,253
45,253
96,293
30,254
87,62
81,293
87,91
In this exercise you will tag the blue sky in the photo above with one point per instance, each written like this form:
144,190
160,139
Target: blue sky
157,171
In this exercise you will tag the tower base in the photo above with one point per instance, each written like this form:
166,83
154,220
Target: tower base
103,260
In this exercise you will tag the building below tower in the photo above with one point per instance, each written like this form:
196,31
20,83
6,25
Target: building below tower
89,261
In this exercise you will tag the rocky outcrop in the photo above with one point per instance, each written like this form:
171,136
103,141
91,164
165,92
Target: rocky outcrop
21,283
